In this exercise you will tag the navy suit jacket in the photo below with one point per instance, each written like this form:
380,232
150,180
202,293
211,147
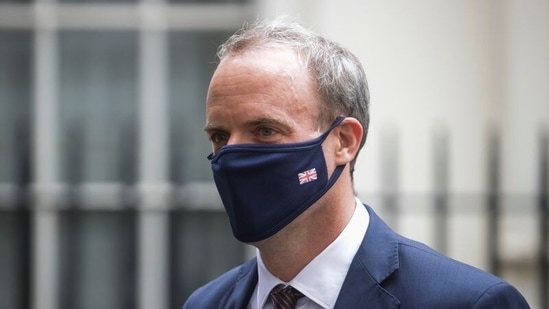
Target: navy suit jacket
388,271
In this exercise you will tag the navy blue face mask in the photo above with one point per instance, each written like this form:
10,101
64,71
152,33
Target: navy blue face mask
264,187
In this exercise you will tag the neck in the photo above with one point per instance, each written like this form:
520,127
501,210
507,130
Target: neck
286,253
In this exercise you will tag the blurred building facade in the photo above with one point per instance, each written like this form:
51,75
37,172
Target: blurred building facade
106,196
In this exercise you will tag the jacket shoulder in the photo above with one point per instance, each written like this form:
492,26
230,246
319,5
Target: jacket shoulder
449,282
418,276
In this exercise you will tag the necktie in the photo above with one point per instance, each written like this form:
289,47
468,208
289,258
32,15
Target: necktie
284,297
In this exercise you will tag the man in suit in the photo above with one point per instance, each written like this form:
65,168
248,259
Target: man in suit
287,114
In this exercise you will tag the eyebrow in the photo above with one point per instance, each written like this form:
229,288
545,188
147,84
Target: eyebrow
212,127
268,121
251,123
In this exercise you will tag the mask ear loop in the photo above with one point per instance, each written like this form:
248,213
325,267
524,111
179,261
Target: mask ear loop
336,122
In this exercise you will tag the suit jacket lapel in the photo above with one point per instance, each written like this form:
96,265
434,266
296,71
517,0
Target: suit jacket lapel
376,259
239,296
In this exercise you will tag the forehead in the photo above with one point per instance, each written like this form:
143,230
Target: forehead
263,81
280,67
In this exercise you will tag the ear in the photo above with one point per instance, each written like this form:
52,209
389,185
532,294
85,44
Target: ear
349,135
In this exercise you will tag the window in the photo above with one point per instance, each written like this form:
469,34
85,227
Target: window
15,103
98,104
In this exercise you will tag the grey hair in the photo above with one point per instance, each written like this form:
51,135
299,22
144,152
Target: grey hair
338,75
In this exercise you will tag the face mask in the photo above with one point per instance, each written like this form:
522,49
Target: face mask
264,187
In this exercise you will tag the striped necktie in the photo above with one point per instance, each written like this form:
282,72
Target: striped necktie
284,297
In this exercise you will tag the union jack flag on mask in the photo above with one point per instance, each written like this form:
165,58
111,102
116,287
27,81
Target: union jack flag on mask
307,176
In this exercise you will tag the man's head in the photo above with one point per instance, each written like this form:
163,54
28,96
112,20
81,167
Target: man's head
336,74
285,112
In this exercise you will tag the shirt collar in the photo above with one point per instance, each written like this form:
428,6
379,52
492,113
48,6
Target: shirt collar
322,279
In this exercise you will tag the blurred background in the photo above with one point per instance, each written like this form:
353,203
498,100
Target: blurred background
106,196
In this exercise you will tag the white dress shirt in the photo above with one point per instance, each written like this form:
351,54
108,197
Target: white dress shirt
321,280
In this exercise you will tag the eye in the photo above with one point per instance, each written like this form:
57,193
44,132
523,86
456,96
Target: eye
266,132
218,138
